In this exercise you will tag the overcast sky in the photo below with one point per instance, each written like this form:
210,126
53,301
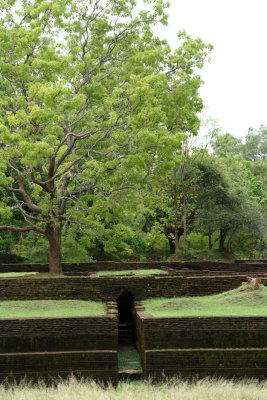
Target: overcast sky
235,88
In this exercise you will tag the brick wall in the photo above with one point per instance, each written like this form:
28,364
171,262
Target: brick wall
106,289
224,346
43,347
56,334
110,265
99,365
205,332
56,346
230,363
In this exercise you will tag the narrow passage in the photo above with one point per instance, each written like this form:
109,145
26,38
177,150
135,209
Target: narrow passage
128,357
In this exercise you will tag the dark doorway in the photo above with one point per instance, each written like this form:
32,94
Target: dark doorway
125,303
125,329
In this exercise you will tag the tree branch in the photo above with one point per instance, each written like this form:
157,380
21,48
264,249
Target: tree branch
25,229
25,214
21,189
83,189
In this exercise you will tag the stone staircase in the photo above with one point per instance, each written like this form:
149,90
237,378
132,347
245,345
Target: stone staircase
125,334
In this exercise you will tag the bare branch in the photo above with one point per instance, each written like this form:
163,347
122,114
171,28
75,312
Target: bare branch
25,229
24,213
21,189
64,155
108,193
6,108
10,189
84,189
63,200
74,162
103,59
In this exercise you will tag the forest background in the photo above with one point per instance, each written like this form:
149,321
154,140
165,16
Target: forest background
99,157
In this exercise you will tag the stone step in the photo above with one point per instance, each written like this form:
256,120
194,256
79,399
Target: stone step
132,375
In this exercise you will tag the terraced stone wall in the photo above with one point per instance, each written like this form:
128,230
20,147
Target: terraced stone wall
109,288
228,363
222,346
203,266
98,365
204,332
42,347
59,334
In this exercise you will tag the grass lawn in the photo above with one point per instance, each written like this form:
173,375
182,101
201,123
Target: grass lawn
128,359
243,301
15,274
132,272
205,389
51,308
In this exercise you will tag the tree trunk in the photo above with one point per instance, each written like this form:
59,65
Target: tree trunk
223,234
184,220
171,245
210,241
54,237
176,240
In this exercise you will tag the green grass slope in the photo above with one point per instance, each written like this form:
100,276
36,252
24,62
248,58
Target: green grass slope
137,272
16,274
246,300
51,308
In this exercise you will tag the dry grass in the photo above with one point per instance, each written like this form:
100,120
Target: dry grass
172,390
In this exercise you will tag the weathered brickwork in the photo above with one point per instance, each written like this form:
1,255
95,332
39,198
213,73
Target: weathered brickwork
222,346
108,288
206,362
42,347
87,346
56,334
205,332
98,365
110,265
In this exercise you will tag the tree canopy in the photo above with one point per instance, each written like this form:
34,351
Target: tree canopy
90,99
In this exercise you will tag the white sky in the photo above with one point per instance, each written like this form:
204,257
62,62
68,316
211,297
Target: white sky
235,88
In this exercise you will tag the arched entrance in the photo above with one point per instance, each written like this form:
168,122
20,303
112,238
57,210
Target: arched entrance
125,328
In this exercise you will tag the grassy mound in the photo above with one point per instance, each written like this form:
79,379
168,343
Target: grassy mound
246,300
51,308
134,272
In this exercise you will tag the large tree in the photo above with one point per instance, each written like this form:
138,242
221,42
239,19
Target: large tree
243,212
87,97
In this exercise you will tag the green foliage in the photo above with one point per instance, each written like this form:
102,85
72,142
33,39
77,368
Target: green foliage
32,247
255,146
97,117
7,258
88,98
245,222
226,145
185,253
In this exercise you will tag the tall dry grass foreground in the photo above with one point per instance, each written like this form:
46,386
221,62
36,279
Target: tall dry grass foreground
181,390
